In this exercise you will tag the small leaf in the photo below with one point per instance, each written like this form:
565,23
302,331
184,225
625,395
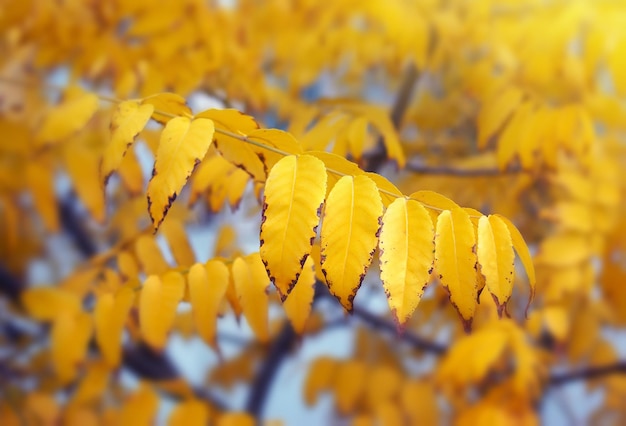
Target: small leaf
158,301
349,235
69,338
319,378
46,303
67,118
299,303
251,283
167,105
183,145
292,205
524,254
406,255
495,255
110,314
178,243
207,288
128,120
455,261
494,113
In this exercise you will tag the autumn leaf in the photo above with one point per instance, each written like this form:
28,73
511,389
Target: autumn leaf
349,235
158,301
110,315
292,205
299,302
67,118
46,303
167,106
129,118
183,144
455,261
496,258
69,338
207,288
406,255
251,282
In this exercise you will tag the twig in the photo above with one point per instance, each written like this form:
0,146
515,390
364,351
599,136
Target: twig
452,171
259,390
412,339
587,373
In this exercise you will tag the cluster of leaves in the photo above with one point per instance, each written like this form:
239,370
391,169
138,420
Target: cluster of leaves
514,114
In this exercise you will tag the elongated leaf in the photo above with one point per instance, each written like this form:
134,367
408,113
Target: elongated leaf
251,282
128,120
167,105
110,314
277,139
319,378
524,254
406,255
46,303
82,166
495,112
207,288
158,301
292,205
495,255
239,153
150,257
299,303
183,145
349,235
176,235
455,261
67,118
68,343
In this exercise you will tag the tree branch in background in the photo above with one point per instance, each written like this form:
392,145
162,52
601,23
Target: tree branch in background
278,351
373,160
560,379
412,339
452,171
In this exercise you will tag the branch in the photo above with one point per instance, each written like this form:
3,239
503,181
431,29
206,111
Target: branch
587,373
278,351
412,339
452,171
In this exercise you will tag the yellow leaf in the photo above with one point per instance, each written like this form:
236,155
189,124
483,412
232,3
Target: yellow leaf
182,146
140,408
69,338
167,105
150,256
207,287
41,409
349,385
158,301
190,413
292,205
455,261
388,413
176,235
82,164
495,112
277,139
93,384
127,265
495,255
406,255
237,125
336,166
46,303
235,419
110,314
67,118
383,384
128,120
522,251
251,283
319,378
324,131
434,202
388,191
40,181
424,413
349,235
298,304
515,134
131,173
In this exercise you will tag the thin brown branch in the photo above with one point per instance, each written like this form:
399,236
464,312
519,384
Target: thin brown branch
410,338
560,379
459,172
